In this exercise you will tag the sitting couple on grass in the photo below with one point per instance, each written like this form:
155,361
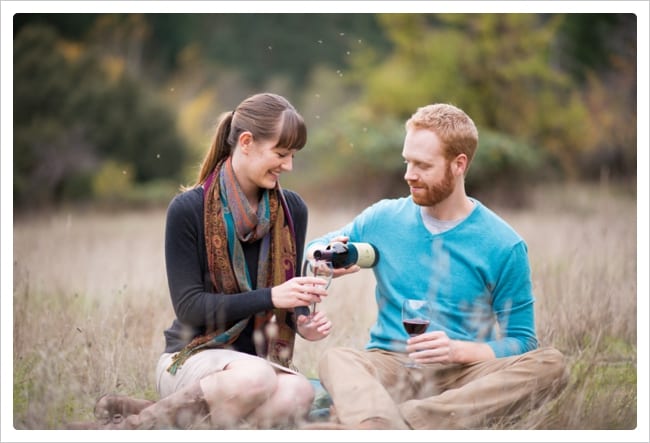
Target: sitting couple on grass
229,239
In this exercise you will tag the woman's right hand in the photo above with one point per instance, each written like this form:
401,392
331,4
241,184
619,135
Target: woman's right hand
299,291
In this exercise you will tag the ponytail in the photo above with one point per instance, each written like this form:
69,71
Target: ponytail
219,150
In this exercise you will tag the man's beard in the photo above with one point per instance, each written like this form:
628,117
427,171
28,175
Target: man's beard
437,192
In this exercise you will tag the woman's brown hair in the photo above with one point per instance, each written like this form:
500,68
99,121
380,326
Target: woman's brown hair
264,115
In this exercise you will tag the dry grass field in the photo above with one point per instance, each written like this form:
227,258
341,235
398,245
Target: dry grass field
90,302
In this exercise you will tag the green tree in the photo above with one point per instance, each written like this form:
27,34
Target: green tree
599,51
497,67
509,72
588,43
73,110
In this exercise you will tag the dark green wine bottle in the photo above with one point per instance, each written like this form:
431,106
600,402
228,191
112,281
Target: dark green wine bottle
344,255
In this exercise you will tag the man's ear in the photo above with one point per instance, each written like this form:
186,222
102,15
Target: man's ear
459,164
245,140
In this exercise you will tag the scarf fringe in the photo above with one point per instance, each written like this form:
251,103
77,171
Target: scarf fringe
181,357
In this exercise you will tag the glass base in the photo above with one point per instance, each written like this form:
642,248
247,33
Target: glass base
411,364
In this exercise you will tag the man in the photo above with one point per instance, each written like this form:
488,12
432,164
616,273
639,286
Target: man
479,358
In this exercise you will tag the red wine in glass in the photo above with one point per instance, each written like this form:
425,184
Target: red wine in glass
415,326
416,316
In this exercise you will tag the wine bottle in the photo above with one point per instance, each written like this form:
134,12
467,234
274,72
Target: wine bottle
344,255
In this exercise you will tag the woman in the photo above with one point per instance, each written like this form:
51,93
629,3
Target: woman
233,245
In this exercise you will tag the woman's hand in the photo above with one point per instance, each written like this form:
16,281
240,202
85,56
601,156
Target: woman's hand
315,327
299,291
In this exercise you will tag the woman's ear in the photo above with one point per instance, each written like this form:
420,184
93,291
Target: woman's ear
245,140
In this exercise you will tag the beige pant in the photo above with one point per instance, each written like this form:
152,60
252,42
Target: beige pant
366,384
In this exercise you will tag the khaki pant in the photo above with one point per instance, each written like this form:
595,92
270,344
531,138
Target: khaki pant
375,384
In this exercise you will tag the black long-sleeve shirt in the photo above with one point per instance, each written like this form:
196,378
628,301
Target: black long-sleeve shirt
197,308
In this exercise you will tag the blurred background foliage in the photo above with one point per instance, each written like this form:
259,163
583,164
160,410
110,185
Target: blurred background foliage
121,108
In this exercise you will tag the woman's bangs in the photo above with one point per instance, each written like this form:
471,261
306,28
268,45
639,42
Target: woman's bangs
293,134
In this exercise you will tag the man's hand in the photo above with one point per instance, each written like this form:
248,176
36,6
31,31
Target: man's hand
437,347
337,271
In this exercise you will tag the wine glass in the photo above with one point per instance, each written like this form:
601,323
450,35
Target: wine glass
416,316
318,268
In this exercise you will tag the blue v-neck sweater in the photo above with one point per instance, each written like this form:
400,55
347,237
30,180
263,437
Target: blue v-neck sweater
477,276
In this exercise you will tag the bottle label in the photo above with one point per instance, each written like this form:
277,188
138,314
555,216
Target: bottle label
367,256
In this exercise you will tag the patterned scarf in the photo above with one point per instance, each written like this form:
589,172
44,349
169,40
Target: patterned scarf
229,221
